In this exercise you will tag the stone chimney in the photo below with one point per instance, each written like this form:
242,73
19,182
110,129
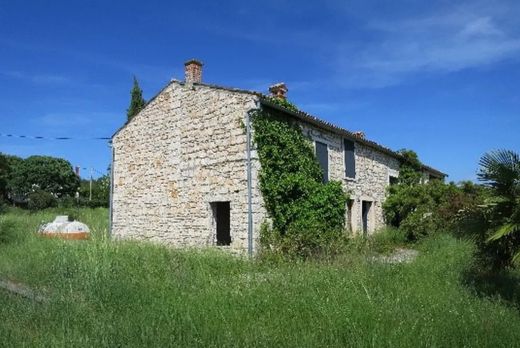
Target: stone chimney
76,170
360,134
279,90
193,71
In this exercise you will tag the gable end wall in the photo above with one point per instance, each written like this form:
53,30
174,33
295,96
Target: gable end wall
187,148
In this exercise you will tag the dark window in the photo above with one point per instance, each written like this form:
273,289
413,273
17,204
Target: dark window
221,214
393,180
322,154
365,207
350,159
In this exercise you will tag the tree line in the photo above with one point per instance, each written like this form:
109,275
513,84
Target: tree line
40,182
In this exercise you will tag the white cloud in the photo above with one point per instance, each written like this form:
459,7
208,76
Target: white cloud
44,79
449,40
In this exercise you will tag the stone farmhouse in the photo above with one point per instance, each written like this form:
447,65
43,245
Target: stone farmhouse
184,173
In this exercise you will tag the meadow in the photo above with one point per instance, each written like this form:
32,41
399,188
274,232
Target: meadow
103,293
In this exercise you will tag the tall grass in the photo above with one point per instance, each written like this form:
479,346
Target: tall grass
107,294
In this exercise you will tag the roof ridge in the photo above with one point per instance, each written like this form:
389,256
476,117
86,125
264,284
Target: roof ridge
332,127
266,100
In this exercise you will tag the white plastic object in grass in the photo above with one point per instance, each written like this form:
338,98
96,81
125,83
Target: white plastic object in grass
62,228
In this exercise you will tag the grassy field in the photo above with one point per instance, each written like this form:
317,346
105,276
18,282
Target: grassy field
107,294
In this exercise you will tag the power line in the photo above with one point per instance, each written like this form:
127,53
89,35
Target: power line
90,168
49,138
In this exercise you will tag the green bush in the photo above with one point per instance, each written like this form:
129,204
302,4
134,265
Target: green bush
307,214
414,208
40,199
422,209
420,223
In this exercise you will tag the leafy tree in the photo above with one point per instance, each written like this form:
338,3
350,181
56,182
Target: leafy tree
7,165
137,102
50,174
4,175
410,168
100,192
500,170
422,209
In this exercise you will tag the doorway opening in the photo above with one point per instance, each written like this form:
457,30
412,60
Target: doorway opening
222,218
365,211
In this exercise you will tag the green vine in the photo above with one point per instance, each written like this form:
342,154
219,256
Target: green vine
307,214
283,103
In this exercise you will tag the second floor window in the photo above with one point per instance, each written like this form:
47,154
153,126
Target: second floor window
322,154
350,159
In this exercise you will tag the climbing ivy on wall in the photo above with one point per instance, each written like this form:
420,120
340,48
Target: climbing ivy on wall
307,214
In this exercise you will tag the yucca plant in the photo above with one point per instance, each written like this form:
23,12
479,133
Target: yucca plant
500,170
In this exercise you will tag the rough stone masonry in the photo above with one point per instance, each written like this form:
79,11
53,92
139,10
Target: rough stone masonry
186,151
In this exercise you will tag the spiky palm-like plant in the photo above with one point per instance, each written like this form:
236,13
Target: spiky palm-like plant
500,170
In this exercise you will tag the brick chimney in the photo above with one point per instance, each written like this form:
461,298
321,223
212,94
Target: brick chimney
279,90
193,71
360,134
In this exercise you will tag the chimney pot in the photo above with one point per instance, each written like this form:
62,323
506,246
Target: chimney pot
193,71
279,90
360,134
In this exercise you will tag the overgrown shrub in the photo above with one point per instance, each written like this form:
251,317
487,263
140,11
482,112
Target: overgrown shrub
307,214
40,199
421,223
422,209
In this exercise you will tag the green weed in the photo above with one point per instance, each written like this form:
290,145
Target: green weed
129,294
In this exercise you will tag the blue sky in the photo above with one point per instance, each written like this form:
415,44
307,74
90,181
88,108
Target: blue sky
439,77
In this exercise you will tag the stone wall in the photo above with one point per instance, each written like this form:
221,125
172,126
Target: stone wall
373,169
187,148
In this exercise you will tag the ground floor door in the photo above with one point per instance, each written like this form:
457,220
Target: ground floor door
221,214
365,207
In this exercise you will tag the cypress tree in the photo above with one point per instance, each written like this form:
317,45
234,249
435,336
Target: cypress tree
137,101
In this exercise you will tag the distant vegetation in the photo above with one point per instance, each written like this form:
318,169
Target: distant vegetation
40,182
